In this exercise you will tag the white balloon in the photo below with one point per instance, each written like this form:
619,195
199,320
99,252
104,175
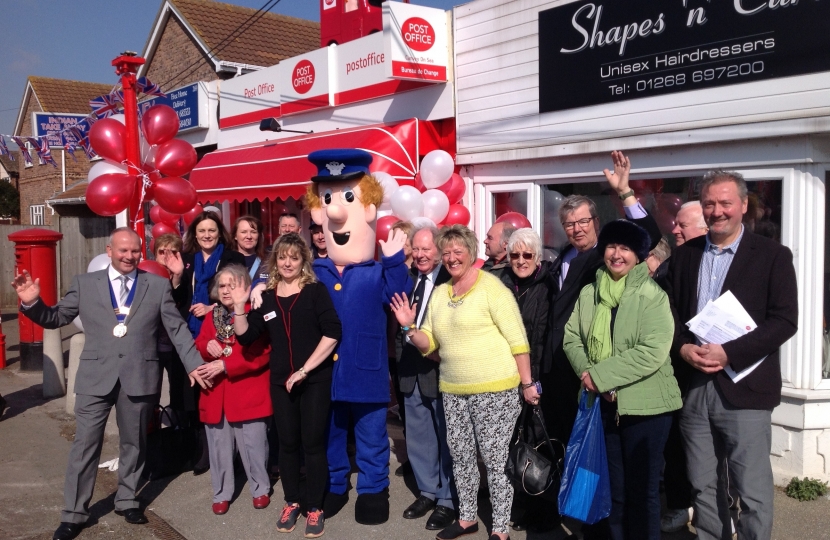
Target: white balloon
389,184
213,209
119,117
105,167
407,203
436,168
421,222
98,263
384,213
436,205
78,324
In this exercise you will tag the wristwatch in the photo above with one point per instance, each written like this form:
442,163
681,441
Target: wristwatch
627,194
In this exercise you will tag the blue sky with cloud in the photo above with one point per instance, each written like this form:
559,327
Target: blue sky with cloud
78,39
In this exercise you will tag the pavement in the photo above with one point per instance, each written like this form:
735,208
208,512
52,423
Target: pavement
36,433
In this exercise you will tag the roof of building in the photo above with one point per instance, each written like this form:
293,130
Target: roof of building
267,37
9,164
74,194
65,96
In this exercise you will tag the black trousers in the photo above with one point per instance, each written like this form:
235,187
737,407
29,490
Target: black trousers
676,484
301,418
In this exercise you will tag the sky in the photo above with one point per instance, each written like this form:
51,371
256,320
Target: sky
78,39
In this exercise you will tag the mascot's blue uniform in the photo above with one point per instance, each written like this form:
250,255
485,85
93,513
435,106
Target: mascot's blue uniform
360,378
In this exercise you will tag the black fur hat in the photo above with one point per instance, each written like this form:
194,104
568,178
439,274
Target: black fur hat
628,234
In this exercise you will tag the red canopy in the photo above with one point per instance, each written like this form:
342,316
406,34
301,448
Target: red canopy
279,169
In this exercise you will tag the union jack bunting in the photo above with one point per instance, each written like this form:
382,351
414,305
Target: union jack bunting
76,132
21,143
148,87
105,106
70,149
87,148
45,153
85,124
4,150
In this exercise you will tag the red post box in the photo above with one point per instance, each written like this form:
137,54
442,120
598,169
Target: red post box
35,251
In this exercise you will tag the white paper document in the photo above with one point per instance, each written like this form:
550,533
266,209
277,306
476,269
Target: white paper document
721,321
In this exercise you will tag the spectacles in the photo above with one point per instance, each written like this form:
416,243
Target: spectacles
525,255
568,225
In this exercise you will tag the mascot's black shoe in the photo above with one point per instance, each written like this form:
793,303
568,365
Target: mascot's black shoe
372,508
334,503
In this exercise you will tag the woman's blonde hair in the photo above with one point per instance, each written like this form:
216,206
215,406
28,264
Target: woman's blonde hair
286,244
458,234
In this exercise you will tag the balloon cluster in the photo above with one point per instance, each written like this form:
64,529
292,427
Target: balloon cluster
435,198
163,161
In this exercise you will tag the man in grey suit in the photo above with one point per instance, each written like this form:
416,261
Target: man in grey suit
123,309
426,431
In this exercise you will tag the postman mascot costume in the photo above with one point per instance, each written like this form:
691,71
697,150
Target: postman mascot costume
344,199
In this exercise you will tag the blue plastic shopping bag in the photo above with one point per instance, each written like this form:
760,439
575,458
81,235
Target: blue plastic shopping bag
585,492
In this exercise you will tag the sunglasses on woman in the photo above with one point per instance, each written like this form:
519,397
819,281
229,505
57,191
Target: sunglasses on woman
525,255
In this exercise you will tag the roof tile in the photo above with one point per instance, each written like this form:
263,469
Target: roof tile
65,96
267,39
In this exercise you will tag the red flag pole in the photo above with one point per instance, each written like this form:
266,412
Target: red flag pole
126,66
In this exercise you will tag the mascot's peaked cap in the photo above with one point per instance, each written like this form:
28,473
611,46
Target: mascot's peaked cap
340,164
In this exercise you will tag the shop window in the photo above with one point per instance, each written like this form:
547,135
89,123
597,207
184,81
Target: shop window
36,214
662,198
509,201
269,213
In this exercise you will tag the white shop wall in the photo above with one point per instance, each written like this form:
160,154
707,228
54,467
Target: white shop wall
497,71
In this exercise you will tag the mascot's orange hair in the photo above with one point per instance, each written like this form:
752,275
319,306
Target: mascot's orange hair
371,192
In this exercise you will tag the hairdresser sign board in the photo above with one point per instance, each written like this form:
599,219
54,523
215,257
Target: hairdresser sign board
604,51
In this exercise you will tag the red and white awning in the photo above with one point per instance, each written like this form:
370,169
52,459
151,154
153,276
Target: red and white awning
280,168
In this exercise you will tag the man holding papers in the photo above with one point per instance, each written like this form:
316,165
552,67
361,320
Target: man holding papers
733,376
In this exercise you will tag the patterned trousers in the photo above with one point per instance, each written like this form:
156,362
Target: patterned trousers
488,418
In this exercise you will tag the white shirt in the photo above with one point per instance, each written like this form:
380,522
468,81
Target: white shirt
429,285
635,211
115,280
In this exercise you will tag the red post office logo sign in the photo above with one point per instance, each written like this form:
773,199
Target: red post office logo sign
418,34
303,77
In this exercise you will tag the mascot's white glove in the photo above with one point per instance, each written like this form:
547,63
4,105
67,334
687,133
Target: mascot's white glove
395,243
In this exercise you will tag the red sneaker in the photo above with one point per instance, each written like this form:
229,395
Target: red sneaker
262,502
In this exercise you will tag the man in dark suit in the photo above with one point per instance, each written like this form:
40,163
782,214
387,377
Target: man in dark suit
122,309
426,433
576,267
722,418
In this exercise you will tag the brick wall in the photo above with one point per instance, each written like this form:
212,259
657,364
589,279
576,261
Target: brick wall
40,182
178,60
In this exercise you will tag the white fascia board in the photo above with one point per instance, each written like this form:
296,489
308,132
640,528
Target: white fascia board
21,113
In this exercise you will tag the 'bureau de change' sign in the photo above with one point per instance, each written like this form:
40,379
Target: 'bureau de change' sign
603,51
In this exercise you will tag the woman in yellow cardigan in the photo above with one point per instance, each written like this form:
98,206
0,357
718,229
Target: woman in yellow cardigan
474,324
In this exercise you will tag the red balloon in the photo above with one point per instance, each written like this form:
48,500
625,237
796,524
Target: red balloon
111,193
191,214
478,264
107,137
383,227
162,228
514,218
160,215
174,194
671,203
454,188
643,186
175,158
457,215
159,124
154,267
419,185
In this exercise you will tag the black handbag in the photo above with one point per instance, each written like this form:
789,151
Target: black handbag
170,450
534,463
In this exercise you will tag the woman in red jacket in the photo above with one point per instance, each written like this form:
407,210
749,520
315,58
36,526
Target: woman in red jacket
239,403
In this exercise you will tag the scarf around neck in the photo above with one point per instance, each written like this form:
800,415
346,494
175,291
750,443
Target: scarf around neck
203,272
609,293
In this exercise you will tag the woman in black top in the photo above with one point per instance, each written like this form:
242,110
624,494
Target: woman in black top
299,317
207,249
529,277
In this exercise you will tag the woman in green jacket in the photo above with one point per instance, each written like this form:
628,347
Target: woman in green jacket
618,340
